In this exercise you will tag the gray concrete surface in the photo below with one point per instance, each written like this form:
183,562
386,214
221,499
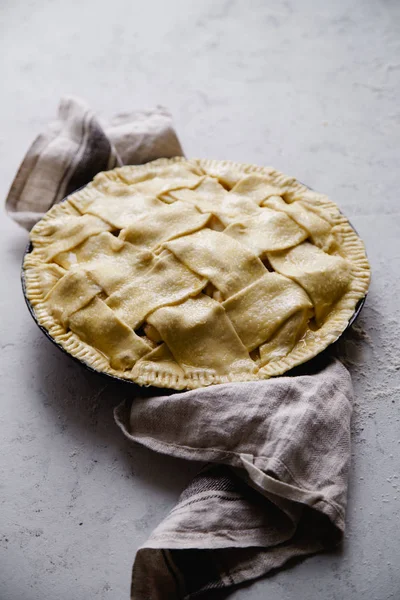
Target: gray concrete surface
309,86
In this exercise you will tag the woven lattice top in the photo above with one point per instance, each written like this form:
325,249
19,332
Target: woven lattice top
182,273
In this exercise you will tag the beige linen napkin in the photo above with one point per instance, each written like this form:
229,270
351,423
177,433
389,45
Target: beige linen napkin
76,146
279,449
278,488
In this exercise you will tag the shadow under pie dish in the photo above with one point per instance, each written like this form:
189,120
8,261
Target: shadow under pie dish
185,273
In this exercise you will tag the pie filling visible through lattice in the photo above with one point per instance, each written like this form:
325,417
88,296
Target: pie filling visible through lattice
184,273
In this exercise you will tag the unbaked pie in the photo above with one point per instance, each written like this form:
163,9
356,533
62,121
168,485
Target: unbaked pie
184,273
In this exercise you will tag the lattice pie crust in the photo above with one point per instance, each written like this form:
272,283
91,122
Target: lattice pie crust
185,273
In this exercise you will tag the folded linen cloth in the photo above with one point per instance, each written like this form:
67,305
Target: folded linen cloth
278,488
279,449
76,146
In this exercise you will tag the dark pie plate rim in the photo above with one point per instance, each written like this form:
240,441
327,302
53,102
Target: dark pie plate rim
28,249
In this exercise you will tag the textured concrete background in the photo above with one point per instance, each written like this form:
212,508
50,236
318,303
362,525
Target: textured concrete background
309,86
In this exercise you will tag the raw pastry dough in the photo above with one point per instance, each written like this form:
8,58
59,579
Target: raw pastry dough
184,273
229,271
197,329
324,277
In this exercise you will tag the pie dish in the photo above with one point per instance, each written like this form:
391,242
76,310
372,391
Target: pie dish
185,273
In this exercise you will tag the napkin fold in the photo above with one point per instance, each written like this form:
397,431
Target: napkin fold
276,491
278,450
76,146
